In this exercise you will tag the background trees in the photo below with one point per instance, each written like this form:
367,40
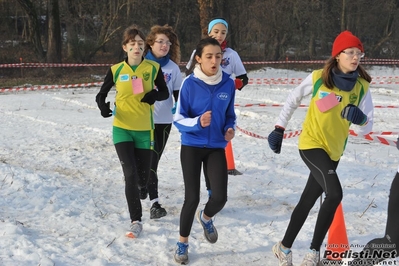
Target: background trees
90,30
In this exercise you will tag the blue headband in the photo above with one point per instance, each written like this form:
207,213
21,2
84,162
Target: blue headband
216,21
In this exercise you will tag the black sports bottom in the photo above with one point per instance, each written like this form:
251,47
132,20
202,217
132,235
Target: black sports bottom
322,178
136,168
192,159
161,135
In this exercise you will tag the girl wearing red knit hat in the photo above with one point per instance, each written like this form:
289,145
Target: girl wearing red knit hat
340,96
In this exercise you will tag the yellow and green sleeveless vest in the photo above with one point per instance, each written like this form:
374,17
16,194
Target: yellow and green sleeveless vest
328,130
130,113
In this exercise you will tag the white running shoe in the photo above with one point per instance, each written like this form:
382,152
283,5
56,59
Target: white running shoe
135,229
284,259
311,258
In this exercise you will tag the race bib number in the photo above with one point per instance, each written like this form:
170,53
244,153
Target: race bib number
137,85
326,103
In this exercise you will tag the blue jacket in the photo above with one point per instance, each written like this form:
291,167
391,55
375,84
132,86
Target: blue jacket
195,98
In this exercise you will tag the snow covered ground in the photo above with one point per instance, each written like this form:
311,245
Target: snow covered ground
62,196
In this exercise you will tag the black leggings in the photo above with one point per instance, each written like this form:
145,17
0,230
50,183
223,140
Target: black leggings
192,159
161,135
390,241
136,167
322,177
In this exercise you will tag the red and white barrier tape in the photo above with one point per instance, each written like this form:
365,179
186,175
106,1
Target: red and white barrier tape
287,134
364,61
32,65
296,81
372,136
378,133
301,105
377,138
249,133
46,87
252,81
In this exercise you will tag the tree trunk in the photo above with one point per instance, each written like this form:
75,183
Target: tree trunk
54,47
343,15
205,11
71,29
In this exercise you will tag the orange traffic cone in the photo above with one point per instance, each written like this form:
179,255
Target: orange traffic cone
231,167
337,243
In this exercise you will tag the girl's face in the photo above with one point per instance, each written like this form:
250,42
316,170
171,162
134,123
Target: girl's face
210,59
219,32
161,46
134,48
349,59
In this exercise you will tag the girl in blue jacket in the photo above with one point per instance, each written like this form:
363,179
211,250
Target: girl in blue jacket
206,120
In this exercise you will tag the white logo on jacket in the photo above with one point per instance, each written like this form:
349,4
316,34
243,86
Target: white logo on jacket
223,96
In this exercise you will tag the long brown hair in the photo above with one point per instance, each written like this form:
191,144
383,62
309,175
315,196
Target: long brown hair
174,51
331,64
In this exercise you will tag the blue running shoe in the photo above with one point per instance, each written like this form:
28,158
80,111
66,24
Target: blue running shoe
210,232
181,253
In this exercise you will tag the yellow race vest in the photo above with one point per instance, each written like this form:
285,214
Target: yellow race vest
328,130
130,112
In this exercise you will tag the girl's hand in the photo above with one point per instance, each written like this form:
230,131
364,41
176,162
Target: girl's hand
230,133
205,119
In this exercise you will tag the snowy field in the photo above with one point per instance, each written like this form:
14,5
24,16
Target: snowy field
62,196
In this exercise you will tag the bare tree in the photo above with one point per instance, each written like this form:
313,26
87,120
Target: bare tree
258,29
275,19
33,27
393,8
71,18
109,27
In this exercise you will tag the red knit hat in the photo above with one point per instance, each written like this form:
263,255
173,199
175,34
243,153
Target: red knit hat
345,40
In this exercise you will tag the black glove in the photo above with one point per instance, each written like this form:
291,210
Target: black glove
241,81
105,110
275,139
150,97
397,143
353,114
